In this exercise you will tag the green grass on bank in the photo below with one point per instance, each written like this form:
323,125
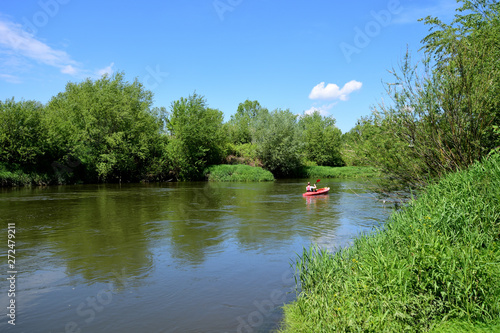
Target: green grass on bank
237,173
339,172
20,178
435,266
240,172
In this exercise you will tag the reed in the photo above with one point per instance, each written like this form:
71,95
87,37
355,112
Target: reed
433,266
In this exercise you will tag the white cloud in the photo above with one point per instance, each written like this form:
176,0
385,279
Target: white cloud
322,109
106,70
17,43
333,91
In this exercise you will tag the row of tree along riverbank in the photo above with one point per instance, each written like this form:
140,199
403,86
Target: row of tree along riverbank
107,131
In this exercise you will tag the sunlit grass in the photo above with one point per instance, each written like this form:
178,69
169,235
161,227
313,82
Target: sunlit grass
237,173
20,178
435,265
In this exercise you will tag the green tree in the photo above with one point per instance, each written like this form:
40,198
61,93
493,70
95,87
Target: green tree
22,134
198,138
442,115
107,128
321,138
278,142
242,126
468,50
371,143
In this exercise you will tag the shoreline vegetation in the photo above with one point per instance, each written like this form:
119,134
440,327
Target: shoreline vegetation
433,266
237,173
245,173
217,173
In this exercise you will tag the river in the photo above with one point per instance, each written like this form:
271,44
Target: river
170,257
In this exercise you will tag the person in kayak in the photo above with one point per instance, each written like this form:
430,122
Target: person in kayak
310,188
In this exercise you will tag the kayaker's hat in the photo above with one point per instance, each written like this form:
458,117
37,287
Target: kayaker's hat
308,183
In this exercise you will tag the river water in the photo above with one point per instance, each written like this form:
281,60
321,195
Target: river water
171,257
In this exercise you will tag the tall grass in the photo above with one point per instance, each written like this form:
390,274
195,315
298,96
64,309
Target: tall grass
20,178
434,266
237,173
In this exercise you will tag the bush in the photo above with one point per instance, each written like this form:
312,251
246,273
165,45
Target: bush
197,137
278,143
237,173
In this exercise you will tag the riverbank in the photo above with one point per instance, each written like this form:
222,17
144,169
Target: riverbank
237,173
241,172
20,178
435,266
214,173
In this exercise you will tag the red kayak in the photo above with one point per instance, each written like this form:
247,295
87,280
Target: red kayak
320,191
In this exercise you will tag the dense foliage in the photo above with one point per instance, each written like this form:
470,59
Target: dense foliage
106,130
22,132
322,139
443,112
237,173
197,137
278,142
243,124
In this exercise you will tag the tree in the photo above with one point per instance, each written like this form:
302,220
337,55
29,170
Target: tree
442,115
106,127
468,50
22,133
278,142
197,135
321,138
243,123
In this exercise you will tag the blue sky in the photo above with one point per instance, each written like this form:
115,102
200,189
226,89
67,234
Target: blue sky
330,56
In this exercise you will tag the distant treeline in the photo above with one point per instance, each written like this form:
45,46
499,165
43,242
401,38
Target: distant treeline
106,130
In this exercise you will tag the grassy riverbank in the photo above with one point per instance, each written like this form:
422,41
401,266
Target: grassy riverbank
221,173
20,178
237,173
435,266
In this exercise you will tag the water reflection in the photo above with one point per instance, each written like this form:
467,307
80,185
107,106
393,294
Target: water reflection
184,247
